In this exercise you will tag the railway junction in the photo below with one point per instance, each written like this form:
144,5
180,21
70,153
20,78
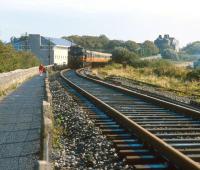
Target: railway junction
103,126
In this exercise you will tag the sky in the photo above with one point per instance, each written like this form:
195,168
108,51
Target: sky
136,20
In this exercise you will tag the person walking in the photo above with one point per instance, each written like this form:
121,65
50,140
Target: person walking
41,69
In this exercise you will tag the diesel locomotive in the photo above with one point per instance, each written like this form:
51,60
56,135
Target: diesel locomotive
80,57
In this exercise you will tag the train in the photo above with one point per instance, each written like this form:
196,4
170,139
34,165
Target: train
80,57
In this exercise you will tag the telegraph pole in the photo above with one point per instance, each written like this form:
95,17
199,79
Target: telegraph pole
26,41
49,52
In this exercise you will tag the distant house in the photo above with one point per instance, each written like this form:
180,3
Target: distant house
167,42
48,50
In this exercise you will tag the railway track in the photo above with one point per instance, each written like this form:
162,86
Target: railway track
141,123
192,104
118,81
139,156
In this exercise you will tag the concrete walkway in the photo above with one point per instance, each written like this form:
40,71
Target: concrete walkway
20,123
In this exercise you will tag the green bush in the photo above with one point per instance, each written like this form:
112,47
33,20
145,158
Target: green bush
122,55
139,63
165,68
169,54
192,48
149,48
193,75
10,59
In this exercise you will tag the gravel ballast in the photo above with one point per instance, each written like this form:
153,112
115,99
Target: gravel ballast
82,145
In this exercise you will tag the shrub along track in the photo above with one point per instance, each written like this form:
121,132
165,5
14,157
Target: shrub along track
169,129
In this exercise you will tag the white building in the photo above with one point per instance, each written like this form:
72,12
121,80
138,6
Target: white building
48,50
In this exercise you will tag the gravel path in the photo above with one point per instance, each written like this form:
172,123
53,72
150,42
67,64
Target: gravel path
82,144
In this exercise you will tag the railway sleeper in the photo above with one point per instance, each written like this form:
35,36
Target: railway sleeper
190,140
178,135
190,150
163,122
158,119
148,114
166,129
145,111
195,157
143,159
185,145
154,116
162,166
171,125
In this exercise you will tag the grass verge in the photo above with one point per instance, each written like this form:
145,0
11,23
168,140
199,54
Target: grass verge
169,77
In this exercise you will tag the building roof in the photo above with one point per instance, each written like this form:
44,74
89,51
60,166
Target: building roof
60,41
24,40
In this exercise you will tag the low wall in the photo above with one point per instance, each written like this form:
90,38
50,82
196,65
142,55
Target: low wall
47,128
12,78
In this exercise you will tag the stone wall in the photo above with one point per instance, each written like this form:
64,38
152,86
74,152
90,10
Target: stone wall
9,80
47,129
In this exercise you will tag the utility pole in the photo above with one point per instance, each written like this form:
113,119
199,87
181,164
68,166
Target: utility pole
26,41
49,51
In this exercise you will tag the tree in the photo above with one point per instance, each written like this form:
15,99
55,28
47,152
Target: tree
193,48
149,48
114,44
194,75
169,54
10,59
90,42
122,55
132,46
104,40
102,43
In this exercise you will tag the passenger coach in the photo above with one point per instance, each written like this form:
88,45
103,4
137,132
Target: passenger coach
79,57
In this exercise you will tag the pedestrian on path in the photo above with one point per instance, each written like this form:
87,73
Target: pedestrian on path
41,69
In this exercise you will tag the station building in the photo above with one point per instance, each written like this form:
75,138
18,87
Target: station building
48,50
